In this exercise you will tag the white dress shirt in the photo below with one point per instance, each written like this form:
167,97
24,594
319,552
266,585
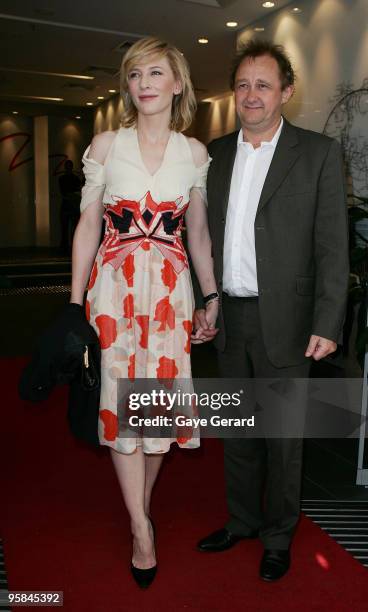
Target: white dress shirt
248,177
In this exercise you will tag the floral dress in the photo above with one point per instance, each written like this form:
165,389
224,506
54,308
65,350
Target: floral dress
140,297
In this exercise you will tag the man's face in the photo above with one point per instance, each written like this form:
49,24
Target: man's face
258,94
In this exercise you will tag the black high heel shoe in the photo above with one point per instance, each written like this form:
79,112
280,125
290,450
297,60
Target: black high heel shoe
144,577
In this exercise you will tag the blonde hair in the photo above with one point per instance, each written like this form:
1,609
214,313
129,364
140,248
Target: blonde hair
184,104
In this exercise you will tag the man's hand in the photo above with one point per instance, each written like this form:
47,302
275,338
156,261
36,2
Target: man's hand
319,347
204,322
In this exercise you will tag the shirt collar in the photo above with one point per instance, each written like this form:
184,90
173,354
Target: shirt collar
271,143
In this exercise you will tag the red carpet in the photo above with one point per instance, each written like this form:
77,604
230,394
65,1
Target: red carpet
65,528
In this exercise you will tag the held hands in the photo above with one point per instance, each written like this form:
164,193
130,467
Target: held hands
319,347
204,321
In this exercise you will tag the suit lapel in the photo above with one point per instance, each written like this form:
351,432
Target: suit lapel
286,153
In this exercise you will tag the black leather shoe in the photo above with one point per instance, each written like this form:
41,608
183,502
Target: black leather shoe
222,540
274,564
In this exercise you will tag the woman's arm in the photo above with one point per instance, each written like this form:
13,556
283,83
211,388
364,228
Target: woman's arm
85,245
88,231
199,241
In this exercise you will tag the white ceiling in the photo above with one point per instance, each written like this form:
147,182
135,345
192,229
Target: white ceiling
71,36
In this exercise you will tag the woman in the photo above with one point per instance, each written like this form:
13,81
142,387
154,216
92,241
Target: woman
143,179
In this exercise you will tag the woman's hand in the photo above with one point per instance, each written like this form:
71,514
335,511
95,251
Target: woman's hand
204,323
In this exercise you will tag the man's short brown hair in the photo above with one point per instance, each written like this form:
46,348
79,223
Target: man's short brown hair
255,48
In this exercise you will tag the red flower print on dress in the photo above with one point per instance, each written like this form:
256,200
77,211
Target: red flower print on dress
166,371
168,275
88,310
110,422
128,269
131,368
165,313
188,326
143,321
107,330
92,278
128,306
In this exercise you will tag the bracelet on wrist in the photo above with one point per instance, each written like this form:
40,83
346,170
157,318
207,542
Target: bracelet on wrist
215,299
211,297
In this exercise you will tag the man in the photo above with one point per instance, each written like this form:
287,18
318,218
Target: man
277,216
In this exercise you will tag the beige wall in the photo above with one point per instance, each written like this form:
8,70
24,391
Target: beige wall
17,203
107,115
214,118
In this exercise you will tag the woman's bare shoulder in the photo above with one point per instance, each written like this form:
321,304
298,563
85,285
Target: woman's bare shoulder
199,151
100,145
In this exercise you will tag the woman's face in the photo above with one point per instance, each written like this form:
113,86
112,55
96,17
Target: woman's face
152,86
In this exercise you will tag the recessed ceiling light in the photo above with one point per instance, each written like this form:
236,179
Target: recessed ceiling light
203,41
259,29
89,103
268,4
112,90
15,112
232,24
77,116
100,98
297,10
